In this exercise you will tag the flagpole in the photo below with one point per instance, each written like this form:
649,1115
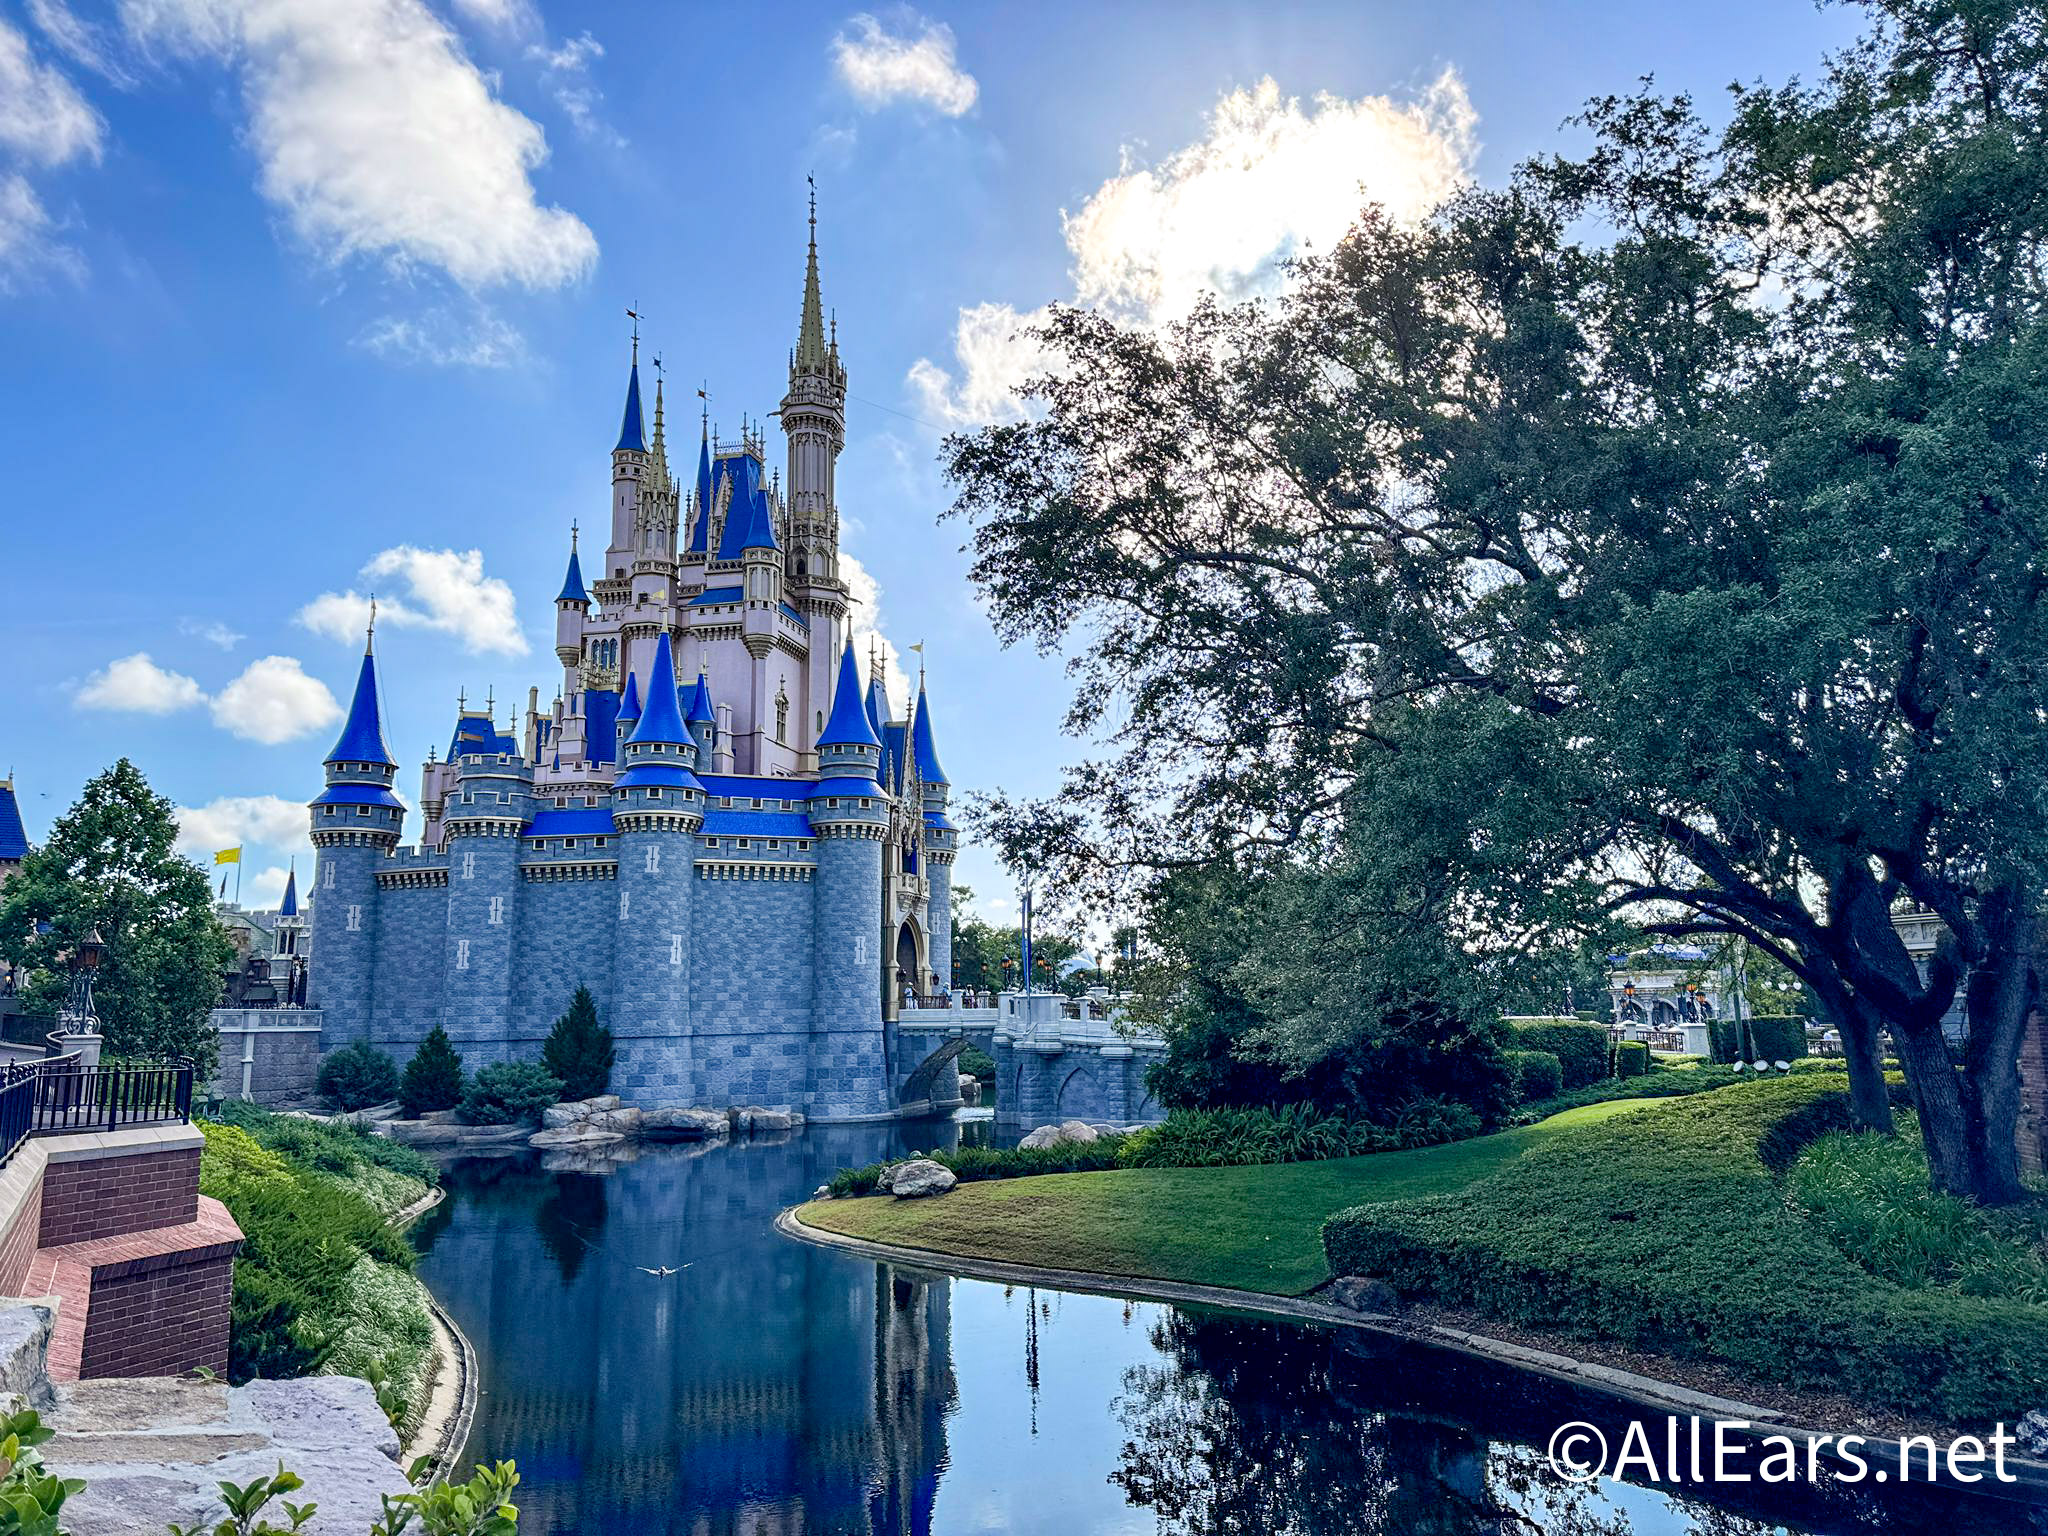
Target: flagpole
238,871
1027,941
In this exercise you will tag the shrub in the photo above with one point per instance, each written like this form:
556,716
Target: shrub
1777,1037
1580,1048
1608,1232
357,1076
1537,1074
970,1164
509,1093
1631,1058
579,1049
345,1150
433,1078
1667,1084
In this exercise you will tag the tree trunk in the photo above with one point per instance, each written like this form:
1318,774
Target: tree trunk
1937,1095
1870,1100
2001,993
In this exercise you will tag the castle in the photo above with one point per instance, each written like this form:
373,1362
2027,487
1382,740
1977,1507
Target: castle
715,827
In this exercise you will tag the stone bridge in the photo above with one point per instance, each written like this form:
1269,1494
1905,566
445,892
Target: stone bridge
1057,1058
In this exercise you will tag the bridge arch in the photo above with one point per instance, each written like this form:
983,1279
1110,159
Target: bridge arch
917,1088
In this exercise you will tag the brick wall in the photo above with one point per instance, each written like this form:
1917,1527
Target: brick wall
159,1316
18,1246
108,1196
2032,1135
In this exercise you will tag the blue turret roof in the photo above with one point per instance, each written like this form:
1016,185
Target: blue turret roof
748,524
928,768
849,725
289,905
663,720
13,836
601,713
631,434
699,710
629,707
700,531
478,735
362,737
572,584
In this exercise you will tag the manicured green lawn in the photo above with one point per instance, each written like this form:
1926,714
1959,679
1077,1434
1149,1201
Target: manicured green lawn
1257,1228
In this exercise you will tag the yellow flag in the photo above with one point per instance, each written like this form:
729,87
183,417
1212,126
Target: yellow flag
228,856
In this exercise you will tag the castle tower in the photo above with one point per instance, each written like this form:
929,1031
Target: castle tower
629,716
702,721
852,1070
941,842
572,613
631,471
657,807
492,801
355,825
814,419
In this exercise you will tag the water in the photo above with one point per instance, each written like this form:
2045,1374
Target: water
775,1387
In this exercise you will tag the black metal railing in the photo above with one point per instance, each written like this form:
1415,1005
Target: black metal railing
63,1096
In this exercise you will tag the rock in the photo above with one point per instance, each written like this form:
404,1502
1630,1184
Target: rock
2032,1434
751,1117
24,1352
627,1122
917,1178
1053,1135
822,1192
452,1133
603,1103
1365,1293
574,1136
685,1124
558,1117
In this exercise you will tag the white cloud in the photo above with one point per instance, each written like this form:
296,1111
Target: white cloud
866,594
212,631
445,590
511,15
29,246
137,685
274,701
566,69
83,42
43,118
879,67
379,136
1269,180
443,339
236,820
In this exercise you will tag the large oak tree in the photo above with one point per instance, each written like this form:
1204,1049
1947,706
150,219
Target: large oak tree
1661,534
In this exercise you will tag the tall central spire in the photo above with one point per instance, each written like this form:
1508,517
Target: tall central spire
812,354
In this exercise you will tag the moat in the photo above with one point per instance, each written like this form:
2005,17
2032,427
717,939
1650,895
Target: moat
770,1386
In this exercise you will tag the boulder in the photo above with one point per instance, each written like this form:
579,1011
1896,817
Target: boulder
2031,1433
558,1117
1053,1135
627,1122
1365,1293
685,1124
750,1118
574,1136
603,1103
917,1178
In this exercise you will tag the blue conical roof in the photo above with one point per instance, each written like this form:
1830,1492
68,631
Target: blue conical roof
629,706
289,906
631,434
362,737
700,531
748,524
700,711
928,768
878,706
849,726
572,584
663,720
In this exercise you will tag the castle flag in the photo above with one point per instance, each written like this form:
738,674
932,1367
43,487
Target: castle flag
228,856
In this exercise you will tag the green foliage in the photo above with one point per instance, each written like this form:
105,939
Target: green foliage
111,863
975,1062
351,1151
433,1078
1668,1231
1538,1074
970,1164
304,1231
1662,1083
510,1093
243,1508
482,1506
1870,1195
1724,1043
358,1076
579,1049
1777,1038
1631,1058
1580,1048
31,1499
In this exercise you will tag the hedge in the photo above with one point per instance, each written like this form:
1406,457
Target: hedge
1631,1058
1538,1074
1580,1048
1778,1037
1669,1232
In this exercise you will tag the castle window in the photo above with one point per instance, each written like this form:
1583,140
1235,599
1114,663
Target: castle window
597,842
741,842
774,842
757,802
654,794
568,842
561,802
710,842
362,810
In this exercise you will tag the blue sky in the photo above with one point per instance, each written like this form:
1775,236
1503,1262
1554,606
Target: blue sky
301,298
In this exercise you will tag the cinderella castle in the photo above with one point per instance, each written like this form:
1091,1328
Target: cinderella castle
716,827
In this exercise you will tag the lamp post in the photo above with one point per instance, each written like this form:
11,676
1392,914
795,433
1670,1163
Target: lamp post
78,1027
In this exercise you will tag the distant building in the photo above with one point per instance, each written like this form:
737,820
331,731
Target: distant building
1667,989
13,849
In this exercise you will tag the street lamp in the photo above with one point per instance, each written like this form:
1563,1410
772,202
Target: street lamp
85,963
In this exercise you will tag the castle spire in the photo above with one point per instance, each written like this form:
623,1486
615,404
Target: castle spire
922,749
663,720
572,583
812,354
632,437
660,446
849,725
362,735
